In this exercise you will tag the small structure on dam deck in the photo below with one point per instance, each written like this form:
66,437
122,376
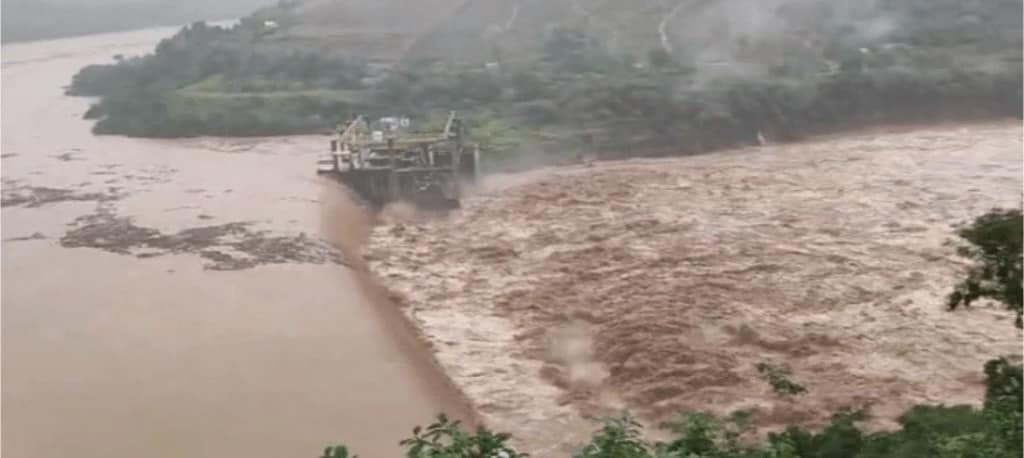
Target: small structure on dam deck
427,170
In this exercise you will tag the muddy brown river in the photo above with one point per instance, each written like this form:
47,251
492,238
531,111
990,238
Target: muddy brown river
172,298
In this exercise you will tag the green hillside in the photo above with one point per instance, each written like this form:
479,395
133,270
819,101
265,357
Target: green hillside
676,76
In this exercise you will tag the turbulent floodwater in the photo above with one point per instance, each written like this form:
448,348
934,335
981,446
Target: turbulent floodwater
659,285
173,298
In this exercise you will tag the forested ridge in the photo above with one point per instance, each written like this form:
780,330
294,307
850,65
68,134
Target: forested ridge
819,68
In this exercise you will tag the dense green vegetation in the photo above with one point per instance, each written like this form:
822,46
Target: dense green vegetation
945,60
994,243
204,81
996,430
43,19
993,431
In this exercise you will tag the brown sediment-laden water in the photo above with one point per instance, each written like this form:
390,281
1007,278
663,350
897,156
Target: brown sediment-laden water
660,285
171,298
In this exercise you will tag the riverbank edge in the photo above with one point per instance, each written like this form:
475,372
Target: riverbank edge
413,341
569,151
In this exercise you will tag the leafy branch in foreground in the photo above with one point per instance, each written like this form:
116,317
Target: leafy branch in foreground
445,439
993,431
620,437
337,451
994,243
702,434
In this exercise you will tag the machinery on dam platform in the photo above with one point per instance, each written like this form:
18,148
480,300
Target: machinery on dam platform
428,170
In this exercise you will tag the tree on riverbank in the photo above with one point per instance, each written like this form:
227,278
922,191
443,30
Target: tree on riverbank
994,244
